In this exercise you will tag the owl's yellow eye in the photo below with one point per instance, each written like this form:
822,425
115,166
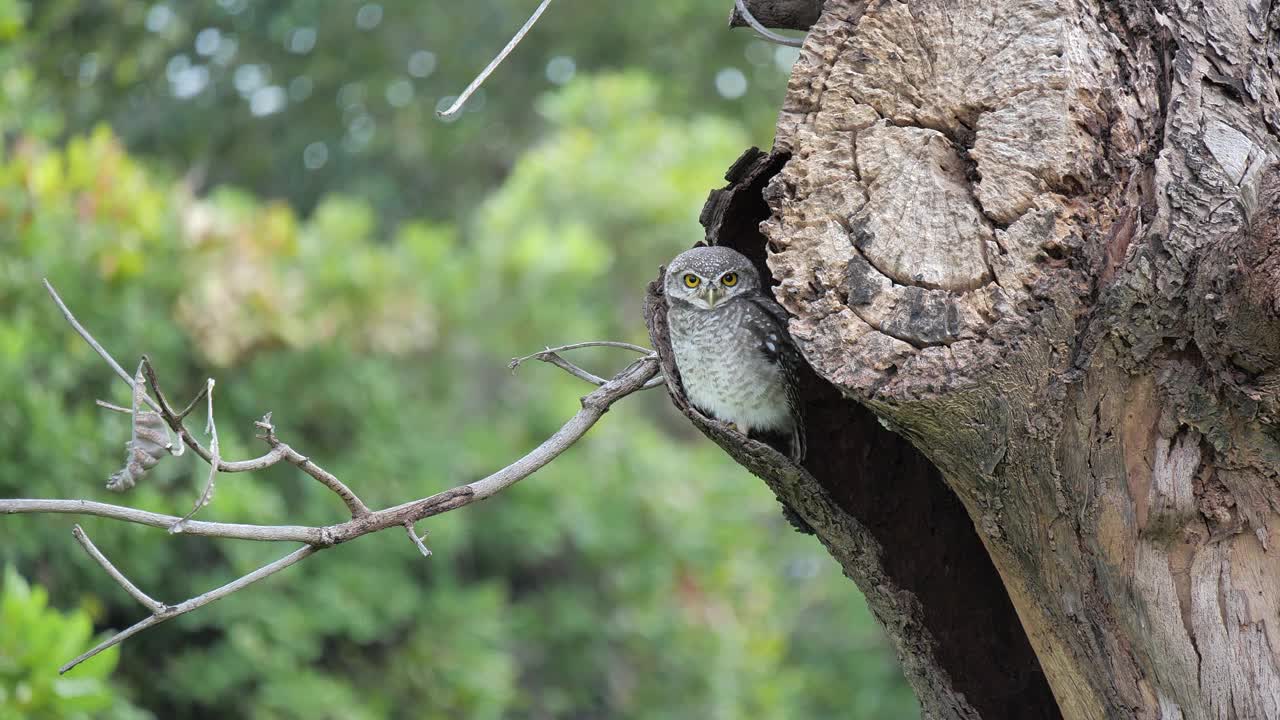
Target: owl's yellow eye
729,279
691,280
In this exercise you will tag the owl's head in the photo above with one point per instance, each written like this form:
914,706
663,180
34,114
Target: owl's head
706,277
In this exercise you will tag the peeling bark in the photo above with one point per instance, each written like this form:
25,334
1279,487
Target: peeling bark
1040,242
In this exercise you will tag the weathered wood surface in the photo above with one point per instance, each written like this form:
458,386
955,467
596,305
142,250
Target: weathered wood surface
866,493
1041,241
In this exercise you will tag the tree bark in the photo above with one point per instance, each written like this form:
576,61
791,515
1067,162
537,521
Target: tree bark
787,14
1032,253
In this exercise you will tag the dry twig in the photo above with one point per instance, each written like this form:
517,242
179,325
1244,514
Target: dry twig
638,375
497,60
552,356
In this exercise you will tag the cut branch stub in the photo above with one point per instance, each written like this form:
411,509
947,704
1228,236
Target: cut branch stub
934,148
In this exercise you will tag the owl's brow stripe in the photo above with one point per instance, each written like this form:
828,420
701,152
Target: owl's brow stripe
639,375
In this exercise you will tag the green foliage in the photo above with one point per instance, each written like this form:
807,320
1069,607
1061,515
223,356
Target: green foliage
242,89
35,640
641,575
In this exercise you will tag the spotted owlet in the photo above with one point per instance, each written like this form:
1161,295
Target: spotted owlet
735,356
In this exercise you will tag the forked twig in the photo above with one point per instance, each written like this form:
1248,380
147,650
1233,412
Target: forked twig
147,601
171,611
552,356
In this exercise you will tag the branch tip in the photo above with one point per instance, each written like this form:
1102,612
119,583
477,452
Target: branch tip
418,539
144,599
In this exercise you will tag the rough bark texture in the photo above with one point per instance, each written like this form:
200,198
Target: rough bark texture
867,493
1040,241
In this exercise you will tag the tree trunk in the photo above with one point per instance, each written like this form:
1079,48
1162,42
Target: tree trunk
1032,252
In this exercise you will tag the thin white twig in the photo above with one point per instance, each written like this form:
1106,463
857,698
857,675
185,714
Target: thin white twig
113,407
484,74
102,352
418,540
765,32
211,428
604,343
146,600
552,356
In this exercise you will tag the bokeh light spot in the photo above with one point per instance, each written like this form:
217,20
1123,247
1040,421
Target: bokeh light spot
315,155
784,57
731,83
207,41
190,82
422,63
302,40
268,100
399,93
248,79
159,17
561,69
300,88
369,16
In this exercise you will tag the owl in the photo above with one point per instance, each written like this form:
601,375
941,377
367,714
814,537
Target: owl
731,345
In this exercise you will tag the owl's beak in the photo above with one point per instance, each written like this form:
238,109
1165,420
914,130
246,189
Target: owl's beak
712,295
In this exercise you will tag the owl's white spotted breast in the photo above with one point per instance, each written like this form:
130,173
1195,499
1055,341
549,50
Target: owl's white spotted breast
723,369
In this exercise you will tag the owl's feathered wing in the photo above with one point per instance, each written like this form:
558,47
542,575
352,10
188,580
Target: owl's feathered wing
774,340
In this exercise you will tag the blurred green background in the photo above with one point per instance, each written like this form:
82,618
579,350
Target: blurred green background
260,192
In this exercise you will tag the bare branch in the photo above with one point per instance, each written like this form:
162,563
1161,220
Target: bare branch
113,407
232,531
484,74
172,611
279,450
631,379
604,343
326,478
552,356
93,343
765,32
147,601
641,374
192,405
